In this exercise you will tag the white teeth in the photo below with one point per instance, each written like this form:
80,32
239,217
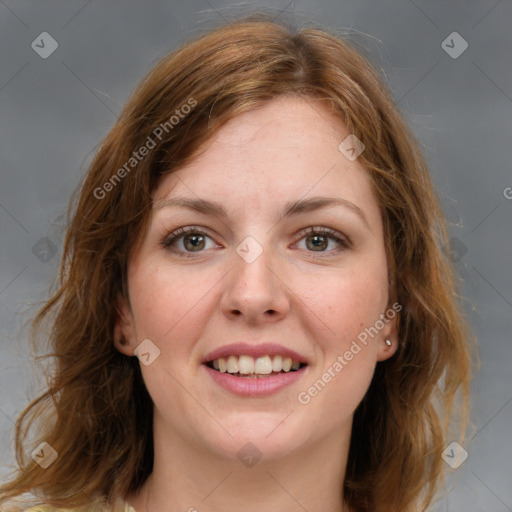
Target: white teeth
277,364
247,365
232,364
263,365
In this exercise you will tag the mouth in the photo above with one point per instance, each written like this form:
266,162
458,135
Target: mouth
248,367
254,370
255,376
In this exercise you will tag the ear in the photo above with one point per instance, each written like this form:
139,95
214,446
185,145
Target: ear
124,328
389,332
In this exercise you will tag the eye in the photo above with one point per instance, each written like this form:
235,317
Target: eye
317,240
186,240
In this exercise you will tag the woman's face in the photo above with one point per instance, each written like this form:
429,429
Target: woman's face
275,274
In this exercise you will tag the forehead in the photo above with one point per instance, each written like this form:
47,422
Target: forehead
285,150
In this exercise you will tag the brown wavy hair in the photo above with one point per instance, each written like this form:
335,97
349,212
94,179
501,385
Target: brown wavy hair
96,412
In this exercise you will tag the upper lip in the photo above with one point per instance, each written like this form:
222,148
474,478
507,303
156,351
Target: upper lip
260,350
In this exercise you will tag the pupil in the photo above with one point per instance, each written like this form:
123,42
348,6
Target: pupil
195,240
318,241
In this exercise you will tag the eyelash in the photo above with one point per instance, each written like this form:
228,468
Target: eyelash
169,240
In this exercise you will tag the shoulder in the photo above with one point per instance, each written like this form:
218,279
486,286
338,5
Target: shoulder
38,508
119,507
47,508
44,508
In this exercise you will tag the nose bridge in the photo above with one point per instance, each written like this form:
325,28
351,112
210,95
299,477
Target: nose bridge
254,288
255,260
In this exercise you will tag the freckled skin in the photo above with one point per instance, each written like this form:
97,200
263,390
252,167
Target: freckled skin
285,151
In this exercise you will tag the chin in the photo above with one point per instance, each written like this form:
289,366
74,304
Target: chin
270,437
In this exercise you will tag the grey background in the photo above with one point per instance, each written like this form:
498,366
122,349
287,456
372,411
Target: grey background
56,110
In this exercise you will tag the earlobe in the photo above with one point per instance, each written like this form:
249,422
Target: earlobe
388,341
123,328
387,348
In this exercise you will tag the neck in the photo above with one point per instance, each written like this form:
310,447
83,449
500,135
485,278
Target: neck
188,478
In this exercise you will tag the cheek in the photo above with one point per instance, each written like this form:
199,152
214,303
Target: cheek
348,302
171,307
170,310
347,305
160,297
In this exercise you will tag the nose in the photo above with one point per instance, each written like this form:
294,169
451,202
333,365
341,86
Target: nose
256,290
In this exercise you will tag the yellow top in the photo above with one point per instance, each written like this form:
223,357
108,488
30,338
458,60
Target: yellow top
46,508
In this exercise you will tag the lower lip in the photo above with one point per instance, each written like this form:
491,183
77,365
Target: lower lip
244,386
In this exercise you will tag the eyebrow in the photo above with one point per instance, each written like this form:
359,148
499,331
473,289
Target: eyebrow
298,207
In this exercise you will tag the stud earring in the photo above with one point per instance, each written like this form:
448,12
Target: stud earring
388,343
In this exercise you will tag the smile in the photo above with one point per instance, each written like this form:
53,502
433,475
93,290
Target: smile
253,377
255,367
248,369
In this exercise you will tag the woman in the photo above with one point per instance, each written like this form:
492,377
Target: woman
254,308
